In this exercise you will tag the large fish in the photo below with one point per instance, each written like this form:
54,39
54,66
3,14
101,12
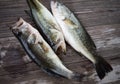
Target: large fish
40,51
76,36
47,26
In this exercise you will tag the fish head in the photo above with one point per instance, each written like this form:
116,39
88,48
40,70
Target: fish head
60,10
21,27
35,5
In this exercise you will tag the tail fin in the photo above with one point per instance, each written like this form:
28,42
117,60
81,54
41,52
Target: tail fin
102,67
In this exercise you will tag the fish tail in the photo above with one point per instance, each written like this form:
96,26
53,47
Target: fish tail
102,67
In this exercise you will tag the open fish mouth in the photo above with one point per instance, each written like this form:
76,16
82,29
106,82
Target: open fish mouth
15,27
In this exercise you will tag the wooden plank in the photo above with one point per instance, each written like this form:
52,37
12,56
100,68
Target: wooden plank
93,19
100,18
9,13
94,5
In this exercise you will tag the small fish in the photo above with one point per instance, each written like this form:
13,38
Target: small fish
76,36
47,26
40,51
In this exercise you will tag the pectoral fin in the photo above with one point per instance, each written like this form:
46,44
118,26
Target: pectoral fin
32,39
44,47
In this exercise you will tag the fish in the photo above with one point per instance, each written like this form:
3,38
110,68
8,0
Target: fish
47,25
25,46
78,38
40,51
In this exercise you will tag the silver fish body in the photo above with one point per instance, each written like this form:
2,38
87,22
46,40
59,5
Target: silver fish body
47,25
76,35
39,50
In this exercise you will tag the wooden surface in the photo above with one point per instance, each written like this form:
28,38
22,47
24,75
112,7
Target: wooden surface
101,18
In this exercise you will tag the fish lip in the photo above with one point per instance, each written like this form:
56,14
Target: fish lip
19,22
15,27
54,4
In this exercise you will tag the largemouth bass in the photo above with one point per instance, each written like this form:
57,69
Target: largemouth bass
40,51
76,36
47,26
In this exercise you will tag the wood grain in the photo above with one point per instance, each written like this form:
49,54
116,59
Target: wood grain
99,17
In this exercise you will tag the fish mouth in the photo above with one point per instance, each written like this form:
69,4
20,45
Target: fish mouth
54,4
34,4
15,27
56,8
